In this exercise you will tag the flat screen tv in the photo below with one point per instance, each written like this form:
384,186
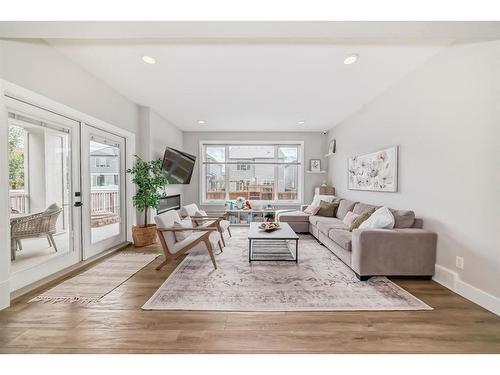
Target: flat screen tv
178,166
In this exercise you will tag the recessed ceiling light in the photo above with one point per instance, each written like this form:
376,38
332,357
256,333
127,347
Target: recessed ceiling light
302,122
351,59
201,122
149,60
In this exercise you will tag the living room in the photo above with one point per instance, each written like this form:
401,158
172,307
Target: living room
249,187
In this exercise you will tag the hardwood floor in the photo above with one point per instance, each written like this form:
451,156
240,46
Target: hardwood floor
118,325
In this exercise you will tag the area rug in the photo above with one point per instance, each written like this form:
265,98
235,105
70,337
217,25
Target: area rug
319,282
90,286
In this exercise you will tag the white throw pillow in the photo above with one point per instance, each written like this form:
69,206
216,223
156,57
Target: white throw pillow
200,213
182,235
318,198
380,219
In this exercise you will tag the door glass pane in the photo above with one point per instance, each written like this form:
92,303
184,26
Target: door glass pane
104,164
39,190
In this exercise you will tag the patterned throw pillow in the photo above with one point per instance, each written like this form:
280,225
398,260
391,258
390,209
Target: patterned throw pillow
360,219
349,218
311,210
327,209
182,235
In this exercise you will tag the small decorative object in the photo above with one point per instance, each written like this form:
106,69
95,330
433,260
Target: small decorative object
149,180
269,226
240,203
269,206
248,205
323,184
315,165
377,171
331,146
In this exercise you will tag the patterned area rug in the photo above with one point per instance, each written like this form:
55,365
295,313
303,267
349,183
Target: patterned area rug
93,284
319,282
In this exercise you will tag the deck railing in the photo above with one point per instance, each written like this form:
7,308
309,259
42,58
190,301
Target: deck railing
105,201
102,201
19,201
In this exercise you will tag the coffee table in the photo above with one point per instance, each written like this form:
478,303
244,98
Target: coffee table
272,246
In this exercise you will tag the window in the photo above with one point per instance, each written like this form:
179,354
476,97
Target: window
243,167
101,162
257,172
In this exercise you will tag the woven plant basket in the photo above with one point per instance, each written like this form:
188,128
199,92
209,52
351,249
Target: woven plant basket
144,236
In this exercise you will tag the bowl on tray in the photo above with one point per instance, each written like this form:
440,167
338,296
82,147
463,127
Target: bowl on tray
269,226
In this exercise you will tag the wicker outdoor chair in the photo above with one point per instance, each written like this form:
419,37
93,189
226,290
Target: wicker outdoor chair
35,225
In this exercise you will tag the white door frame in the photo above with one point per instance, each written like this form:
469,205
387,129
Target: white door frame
60,261
34,99
90,249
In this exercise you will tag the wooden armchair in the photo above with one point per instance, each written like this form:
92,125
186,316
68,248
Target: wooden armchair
210,220
203,237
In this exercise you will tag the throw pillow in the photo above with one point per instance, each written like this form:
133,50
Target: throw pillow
200,213
311,210
318,198
381,218
349,218
360,219
182,235
328,209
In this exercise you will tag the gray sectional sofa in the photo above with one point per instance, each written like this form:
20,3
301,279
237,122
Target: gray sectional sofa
407,250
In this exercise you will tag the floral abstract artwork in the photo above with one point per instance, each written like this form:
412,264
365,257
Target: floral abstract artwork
377,171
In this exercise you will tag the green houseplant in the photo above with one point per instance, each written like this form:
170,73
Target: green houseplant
149,180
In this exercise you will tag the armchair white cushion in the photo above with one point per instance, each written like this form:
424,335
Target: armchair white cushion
189,210
185,223
166,220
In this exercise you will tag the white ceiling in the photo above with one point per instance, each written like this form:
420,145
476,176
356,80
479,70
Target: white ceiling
259,76
260,87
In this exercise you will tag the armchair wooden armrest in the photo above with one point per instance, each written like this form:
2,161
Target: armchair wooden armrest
175,229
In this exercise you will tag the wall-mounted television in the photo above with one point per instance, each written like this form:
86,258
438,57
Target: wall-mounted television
178,166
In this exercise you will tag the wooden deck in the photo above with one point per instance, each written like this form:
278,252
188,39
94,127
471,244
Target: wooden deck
118,325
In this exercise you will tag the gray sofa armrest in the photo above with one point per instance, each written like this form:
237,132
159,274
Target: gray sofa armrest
397,252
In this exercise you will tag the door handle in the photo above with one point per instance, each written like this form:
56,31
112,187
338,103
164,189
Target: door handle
78,204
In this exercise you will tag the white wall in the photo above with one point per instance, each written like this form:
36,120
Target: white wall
4,204
445,118
314,148
36,66
156,134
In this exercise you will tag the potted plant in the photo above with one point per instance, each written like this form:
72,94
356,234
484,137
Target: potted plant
149,180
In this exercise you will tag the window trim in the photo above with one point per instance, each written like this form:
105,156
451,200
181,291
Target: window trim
299,163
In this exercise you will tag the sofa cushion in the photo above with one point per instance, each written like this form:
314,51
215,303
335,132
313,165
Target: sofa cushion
403,218
327,209
344,207
324,226
343,238
293,216
360,208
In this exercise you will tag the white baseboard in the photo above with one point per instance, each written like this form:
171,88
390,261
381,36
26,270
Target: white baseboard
451,280
4,294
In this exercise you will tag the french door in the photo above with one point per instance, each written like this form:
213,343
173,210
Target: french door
103,190
44,181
